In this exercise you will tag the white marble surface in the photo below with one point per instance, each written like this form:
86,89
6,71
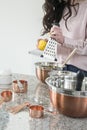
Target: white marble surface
23,121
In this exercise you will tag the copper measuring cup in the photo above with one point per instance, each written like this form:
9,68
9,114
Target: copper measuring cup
17,88
35,111
6,96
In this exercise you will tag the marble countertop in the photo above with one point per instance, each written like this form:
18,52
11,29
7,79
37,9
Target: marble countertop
38,93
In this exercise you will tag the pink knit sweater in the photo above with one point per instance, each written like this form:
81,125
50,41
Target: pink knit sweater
75,37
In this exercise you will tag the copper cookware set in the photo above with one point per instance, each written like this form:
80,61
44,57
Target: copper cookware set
66,96
68,91
6,95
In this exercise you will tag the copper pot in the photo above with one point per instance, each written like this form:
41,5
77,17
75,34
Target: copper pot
71,103
43,69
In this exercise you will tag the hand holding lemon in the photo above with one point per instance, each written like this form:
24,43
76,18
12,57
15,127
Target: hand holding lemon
41,44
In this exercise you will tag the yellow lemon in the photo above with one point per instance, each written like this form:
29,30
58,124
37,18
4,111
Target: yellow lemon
41,44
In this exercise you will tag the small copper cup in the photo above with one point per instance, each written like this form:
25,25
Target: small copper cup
6,95
36,111
18,89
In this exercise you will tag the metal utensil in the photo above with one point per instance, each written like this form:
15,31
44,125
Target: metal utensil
35,110
20,86
6,96
43,69
68,102
50,49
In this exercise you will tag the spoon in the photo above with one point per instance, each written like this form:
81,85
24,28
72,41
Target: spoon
68,58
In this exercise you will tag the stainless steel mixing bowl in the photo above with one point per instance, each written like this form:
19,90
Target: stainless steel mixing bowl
69,102
43,68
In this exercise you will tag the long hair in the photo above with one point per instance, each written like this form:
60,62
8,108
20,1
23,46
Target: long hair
53,12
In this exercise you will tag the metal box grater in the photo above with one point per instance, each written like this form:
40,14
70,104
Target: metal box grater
50,49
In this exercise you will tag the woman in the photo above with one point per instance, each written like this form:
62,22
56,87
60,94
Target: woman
72,32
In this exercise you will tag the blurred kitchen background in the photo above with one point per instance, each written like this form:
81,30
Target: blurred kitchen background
20,27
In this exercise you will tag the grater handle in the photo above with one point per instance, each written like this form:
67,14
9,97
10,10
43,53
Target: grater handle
57,24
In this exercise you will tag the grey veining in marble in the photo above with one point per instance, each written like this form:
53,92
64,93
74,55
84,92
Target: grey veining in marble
4,119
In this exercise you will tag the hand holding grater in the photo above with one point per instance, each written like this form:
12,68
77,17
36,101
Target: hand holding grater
50,49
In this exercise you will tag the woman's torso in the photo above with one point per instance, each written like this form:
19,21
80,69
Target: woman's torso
77,29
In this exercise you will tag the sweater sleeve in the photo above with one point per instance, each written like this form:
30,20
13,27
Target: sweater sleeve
81,45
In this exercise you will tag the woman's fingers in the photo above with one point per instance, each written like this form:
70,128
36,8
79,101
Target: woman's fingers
56,33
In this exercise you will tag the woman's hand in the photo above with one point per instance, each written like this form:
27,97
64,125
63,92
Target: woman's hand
56,33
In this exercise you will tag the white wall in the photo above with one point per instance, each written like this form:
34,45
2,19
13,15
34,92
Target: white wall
20,27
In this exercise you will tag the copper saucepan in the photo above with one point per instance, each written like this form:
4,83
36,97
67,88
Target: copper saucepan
69,101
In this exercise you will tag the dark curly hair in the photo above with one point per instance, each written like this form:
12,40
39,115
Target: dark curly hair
53,12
